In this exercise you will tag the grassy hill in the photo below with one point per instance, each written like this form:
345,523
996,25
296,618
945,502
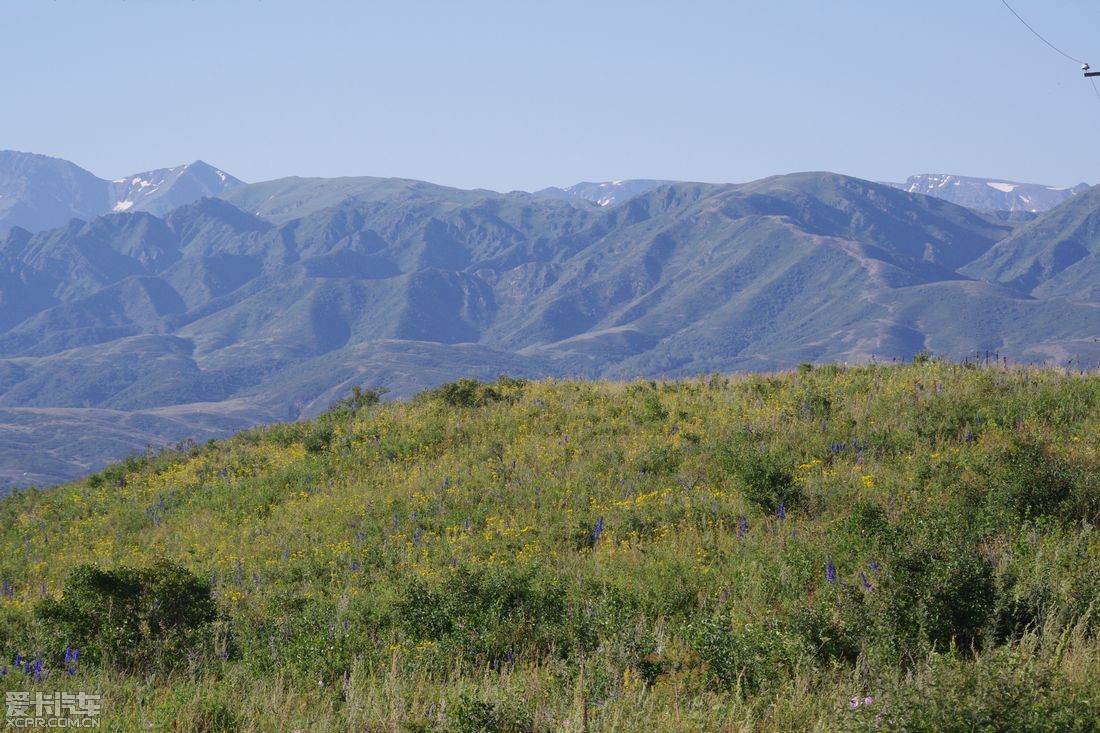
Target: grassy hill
874,548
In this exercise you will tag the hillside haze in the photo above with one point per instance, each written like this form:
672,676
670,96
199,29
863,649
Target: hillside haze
272,301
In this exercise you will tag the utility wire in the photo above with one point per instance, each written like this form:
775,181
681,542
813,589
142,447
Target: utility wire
1084,64
1040,37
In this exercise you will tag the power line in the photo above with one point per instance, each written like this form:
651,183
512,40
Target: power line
1041,38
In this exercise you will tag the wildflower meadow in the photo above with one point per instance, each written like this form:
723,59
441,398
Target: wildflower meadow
883,547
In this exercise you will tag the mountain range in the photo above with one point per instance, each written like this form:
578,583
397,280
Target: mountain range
991,194
975,193
273,299
38,192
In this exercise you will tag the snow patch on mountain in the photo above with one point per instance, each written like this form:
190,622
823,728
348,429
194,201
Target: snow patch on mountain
989,193
603,193
162,190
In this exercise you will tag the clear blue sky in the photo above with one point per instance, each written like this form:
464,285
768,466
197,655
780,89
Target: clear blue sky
530,93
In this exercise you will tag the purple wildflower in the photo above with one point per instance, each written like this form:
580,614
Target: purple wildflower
863,579
875,567
598,531
744,528
830,570
782,512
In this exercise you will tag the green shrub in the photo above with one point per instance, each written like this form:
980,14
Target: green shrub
484,614
115,474
359,400
744,656
136,619
1010,690
765,478
936,588
319,437
471,715
650,409
1026,481
469,392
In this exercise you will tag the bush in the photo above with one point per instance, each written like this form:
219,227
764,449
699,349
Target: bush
136,619
1027,482
469,392
359,399
936,589
746,656
650,410
1011,689
470,715
766,479
115,474
319,437
484,613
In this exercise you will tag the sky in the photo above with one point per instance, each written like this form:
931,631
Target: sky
523,94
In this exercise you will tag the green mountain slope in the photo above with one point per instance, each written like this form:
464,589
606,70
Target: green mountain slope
1057,256
754,552
284,292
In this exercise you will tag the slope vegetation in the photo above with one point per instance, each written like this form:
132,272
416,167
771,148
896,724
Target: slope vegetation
748,553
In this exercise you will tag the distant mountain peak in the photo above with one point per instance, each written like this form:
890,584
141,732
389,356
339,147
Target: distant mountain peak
39,192
989,193
159,191
605,193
